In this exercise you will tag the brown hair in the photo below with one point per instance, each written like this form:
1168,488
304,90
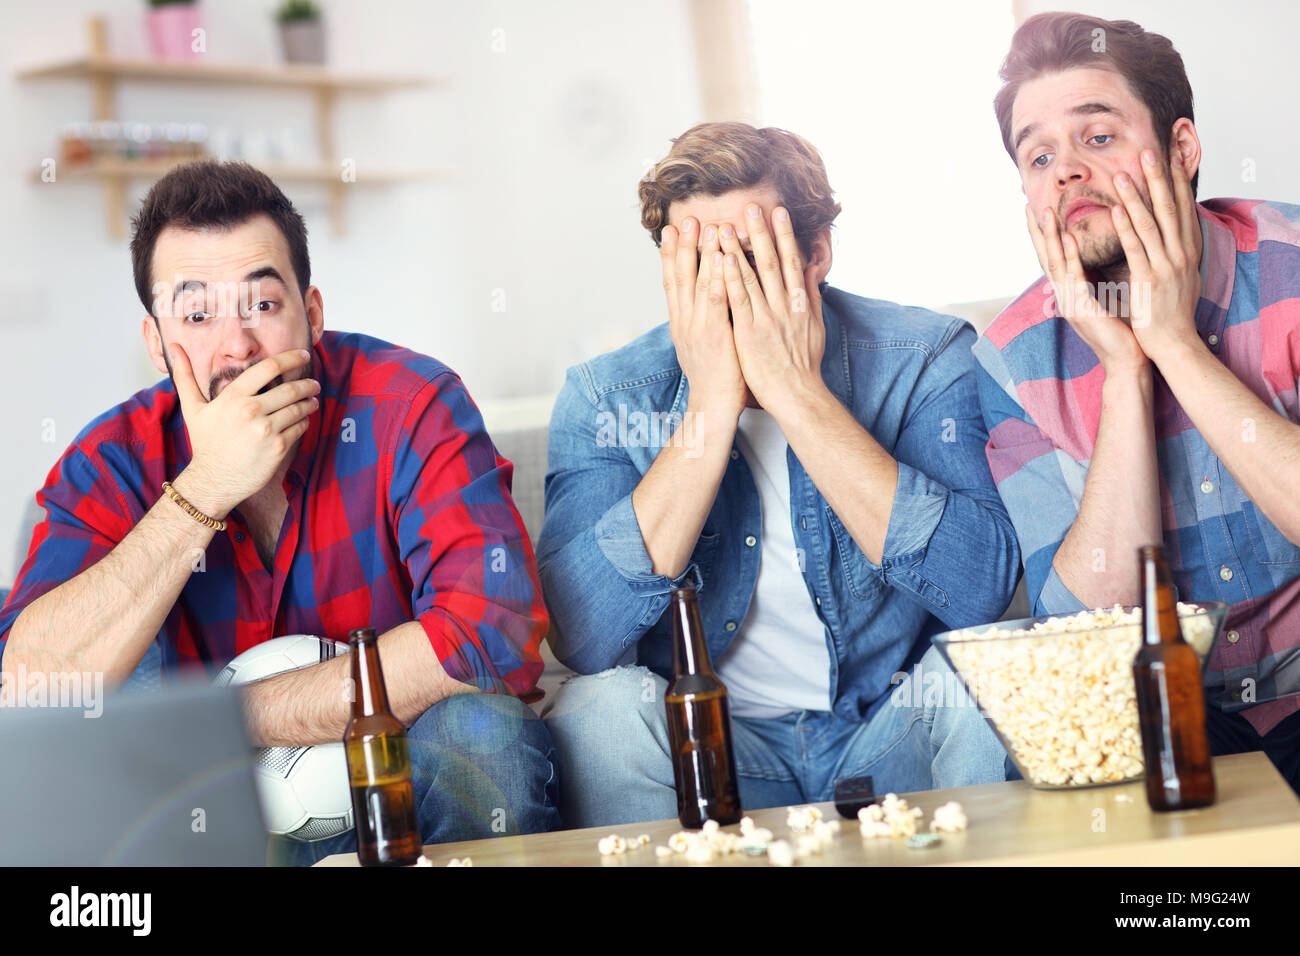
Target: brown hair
1148,62
212,194
714,158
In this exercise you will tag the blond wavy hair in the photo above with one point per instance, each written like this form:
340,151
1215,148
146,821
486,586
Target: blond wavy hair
715,158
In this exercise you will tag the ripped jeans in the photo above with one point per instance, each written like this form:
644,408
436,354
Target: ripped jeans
611,741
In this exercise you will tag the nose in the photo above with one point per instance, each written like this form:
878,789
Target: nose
238,341
1071,167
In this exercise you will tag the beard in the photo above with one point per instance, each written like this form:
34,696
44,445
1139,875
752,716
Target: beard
227,375
1099,251
222,378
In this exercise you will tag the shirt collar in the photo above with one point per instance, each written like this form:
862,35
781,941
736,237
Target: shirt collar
835,359
1218,266
300,467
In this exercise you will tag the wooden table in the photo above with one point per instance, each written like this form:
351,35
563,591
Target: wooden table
1256,821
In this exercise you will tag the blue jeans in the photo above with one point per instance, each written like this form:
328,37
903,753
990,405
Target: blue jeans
611,738
483,766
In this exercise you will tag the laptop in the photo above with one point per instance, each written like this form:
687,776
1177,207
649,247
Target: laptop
163,778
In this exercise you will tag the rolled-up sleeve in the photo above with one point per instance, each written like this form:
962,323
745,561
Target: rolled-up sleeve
599,580
950,543
1040,484
473,574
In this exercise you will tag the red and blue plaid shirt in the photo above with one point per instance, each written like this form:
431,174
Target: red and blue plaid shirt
399,509
1040,389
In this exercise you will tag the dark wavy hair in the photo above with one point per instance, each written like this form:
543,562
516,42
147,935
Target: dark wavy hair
715,158
212,194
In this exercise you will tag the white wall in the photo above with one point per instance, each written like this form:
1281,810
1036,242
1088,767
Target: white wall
548,137
900,107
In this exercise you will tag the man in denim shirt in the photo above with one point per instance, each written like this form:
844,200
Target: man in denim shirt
812,462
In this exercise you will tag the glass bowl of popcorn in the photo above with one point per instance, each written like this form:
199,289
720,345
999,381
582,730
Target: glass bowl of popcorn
1058,690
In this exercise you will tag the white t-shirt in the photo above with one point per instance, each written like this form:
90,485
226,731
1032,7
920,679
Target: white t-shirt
778,661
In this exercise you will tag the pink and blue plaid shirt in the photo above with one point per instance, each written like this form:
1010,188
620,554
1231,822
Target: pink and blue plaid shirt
1040,389
399,510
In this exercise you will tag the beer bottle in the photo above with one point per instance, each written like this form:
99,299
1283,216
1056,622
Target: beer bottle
379,765
699,724
1171,703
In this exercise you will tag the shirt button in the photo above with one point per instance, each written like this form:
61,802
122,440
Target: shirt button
731,625
239,536
1225,572
819,602
734,454
1207,486
1213,339
750,541
1233,637
803,524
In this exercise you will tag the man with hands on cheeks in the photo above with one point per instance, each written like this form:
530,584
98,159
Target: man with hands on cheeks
1144,390
292,480
822,484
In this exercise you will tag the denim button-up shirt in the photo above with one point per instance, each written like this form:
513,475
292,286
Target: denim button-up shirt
950,555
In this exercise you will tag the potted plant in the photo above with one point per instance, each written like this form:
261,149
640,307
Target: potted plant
302,32
171,28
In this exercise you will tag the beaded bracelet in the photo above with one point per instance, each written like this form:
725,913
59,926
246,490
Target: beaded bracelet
190,510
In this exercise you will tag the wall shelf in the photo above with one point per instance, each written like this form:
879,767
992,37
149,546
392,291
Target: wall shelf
104,72
291,76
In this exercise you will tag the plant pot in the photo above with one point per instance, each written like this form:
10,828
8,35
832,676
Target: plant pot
303,41
171,30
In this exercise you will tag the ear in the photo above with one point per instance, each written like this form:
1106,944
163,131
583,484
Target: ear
1187,144
315,313
820,262
153,343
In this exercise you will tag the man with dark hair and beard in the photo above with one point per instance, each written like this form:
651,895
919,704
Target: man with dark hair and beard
320,482
1145,390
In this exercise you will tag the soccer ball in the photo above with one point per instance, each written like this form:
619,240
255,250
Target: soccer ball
304,791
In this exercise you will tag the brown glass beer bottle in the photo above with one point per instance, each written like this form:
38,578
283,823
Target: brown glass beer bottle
1171,703
699,725
379,765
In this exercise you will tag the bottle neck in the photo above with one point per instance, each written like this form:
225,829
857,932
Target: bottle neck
1159,602
690,653
369,695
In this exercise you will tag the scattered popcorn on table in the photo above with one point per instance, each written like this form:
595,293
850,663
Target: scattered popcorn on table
423,861
801,819
891,817
805,844
711,841
611,845
700,852
780,853
462,862
948,818
615,845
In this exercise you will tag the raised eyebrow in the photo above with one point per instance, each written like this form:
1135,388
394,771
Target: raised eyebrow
266,272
